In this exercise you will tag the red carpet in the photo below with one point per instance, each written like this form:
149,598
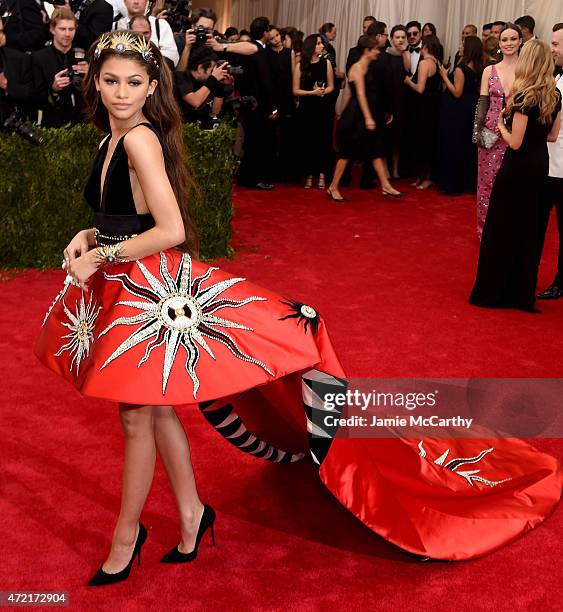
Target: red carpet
391,278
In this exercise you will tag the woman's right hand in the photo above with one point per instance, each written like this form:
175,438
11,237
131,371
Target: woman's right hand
76,247
370,125
318,91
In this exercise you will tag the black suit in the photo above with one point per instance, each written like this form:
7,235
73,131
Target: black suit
353,56
16,67
23,25
61,107
94,18
256,166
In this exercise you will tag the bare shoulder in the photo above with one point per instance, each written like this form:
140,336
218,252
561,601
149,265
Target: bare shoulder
487,71
142,142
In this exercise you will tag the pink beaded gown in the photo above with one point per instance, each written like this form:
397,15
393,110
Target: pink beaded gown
490,159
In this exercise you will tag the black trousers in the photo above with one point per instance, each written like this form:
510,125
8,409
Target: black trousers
552,196
258,160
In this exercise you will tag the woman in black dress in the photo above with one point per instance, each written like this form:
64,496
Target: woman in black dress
360,129
509,259
313,81
457,162
427,83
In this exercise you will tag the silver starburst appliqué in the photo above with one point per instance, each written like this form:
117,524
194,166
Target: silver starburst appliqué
60,295
470,475
179,312
81,328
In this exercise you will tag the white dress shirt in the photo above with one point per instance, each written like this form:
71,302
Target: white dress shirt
165,43
556,148
415,58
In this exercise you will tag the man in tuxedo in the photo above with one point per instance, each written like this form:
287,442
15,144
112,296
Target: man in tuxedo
354,53
553,194
94,18
16,79
414,38
24,28
527,24
258,123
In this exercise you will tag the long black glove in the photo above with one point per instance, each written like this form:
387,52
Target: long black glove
480,114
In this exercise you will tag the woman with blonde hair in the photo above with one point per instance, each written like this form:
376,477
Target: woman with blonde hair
508,260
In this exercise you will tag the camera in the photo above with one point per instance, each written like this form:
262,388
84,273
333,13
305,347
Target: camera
200,35
237,103
75,77
14,124
178,14
232,70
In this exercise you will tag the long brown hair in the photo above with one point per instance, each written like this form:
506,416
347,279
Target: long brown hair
161,110
534,84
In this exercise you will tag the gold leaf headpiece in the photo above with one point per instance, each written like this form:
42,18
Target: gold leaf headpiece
121,41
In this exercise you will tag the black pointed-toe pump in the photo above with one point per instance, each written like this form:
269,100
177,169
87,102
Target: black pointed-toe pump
207,520
101,578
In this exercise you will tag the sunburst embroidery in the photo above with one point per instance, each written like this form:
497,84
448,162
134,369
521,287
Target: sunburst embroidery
179,312
81,327
454,464
303,313
60,295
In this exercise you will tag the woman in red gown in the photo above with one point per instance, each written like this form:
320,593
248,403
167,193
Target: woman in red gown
141,322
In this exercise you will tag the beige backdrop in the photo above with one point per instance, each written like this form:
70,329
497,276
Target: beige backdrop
449,16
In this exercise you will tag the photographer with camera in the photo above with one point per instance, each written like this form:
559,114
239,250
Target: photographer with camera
200,89
201,33
162,35
58,71
24,28
16,79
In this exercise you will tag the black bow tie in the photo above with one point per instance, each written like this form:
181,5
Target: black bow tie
414,49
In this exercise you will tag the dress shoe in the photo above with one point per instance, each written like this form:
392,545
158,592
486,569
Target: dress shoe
553,292
102,578
207,521
330,195
264,186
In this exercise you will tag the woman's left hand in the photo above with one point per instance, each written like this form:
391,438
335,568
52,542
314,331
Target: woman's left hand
500,124
443,71
83,267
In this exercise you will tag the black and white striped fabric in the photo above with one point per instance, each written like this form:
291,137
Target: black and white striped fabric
229,424
315,385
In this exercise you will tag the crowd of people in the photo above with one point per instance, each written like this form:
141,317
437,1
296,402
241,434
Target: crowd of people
285,88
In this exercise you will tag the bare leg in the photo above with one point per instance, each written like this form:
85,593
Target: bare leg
338,172
174,450
138,471
396,163
381,170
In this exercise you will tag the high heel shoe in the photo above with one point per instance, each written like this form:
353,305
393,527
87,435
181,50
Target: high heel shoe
388,194
207,520
322,183
101,578
308,183
332,197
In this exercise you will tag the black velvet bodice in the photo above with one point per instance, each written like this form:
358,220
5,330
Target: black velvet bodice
114,206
